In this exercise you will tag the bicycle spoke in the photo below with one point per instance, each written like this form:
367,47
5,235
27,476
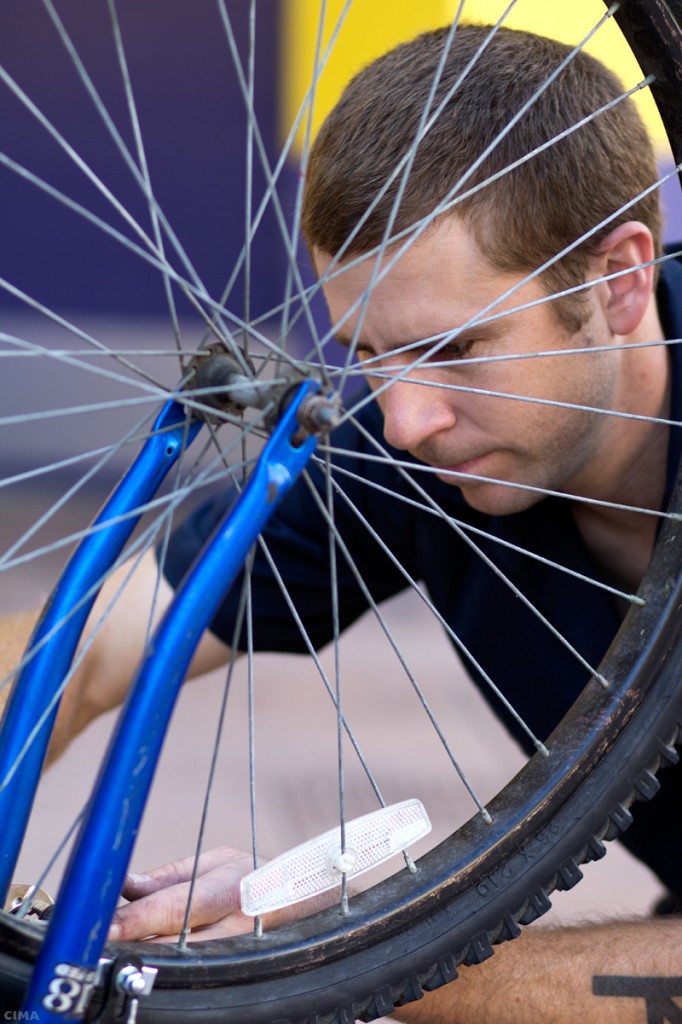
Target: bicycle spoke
591,670
210,781
260,148
371,603
486,535
544,491
144,168
312,652
139,173
461,647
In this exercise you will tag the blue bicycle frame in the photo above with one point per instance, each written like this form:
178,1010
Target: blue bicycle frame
65,970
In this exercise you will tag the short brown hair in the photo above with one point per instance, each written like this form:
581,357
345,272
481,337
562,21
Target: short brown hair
530,213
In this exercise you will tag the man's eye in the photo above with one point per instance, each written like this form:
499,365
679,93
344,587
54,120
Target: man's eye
453,351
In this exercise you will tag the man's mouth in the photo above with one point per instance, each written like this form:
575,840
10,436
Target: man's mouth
470,466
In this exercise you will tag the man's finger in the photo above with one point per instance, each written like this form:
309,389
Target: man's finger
138,885
162,912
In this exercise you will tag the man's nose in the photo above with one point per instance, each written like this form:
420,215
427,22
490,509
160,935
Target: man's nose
414,412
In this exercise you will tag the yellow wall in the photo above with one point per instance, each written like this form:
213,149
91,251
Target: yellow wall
374,26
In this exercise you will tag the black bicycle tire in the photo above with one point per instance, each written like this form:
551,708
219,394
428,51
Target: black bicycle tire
327,969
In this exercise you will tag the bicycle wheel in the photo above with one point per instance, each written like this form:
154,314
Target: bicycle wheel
494,870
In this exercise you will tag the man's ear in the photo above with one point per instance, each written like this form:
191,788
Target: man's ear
624,252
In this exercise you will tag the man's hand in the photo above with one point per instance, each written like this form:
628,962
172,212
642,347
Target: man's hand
158,899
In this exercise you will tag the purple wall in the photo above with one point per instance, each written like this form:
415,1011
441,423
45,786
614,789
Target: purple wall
193,122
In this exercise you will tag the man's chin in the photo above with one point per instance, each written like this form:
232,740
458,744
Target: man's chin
496,499
481,482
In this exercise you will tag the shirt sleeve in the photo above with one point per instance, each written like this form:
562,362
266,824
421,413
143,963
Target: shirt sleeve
291,576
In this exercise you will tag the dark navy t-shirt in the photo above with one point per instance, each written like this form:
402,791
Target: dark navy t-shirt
506,640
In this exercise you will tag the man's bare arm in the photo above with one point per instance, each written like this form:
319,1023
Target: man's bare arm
623,972
108,666
15,631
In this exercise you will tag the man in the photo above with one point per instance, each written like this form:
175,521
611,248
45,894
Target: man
449,412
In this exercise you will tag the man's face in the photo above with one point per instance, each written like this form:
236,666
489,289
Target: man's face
448,412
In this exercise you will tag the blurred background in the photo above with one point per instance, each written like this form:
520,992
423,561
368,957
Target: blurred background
192,115
59,272
191,109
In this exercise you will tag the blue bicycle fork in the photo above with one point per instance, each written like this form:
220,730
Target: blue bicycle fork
66,967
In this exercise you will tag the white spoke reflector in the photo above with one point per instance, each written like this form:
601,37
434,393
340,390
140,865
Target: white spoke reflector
319,864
